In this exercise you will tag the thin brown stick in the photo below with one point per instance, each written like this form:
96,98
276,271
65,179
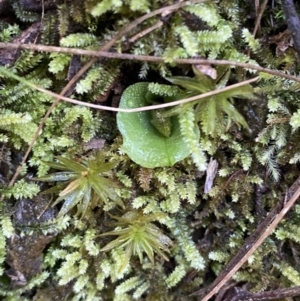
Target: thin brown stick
148,58
235,174
106,47
145,32
163,10
259,12
255,245
256,5
259,16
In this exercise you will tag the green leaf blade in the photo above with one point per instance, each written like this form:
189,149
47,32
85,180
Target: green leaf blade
142,142
71,164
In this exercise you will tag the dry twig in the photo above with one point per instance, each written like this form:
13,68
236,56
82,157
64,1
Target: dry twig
259,16
148,58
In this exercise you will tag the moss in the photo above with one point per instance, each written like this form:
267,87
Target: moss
150,207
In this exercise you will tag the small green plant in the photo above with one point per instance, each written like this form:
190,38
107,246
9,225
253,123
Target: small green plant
83,183
217,113
164,137
144,140
138,235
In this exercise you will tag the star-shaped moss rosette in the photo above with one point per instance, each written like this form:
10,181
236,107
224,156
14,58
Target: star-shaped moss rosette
137,234
82,184
217,113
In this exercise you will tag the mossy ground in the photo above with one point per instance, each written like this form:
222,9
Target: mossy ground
178,238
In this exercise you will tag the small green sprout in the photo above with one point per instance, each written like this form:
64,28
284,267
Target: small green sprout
216,112
83,183
138,235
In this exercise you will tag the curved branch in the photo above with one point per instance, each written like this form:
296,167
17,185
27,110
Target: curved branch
140,109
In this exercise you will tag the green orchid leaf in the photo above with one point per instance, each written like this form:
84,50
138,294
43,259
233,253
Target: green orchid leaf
152,98
142,141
